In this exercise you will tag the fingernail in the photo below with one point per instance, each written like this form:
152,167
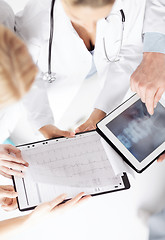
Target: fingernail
16,194
155,105
151,112
23,161
72,134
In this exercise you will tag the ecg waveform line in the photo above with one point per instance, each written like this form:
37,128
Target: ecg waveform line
78,161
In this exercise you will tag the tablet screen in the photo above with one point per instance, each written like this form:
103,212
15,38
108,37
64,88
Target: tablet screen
138,131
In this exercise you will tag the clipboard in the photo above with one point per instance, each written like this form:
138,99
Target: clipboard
89,170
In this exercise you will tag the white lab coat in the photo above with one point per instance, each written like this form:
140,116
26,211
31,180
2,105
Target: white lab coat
155,16
7,17
71,61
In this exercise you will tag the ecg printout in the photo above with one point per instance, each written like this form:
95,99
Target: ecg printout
68,165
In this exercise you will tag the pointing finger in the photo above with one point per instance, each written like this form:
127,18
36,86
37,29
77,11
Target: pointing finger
149,100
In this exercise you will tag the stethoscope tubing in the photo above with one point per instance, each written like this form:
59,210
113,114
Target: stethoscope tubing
51,36
51,76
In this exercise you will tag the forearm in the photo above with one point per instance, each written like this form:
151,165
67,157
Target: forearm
97,114
11,227
37,106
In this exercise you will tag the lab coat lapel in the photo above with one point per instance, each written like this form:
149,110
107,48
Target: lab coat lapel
107,28
70,51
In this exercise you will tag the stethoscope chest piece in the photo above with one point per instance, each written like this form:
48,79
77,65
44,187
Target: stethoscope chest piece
49,77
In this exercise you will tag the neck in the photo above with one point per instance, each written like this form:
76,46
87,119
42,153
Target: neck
85,35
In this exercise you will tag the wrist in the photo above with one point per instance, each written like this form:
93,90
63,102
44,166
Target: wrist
46,130
152,55
43,129
97,115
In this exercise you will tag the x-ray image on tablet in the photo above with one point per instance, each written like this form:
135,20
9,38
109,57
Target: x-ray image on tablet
139,132
139,136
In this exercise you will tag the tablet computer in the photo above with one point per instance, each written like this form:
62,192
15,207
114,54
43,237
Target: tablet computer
66,165
137,136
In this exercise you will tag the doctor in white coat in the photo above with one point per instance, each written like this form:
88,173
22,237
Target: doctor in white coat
149,78
103,36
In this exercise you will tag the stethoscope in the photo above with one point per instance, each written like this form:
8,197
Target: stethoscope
116,57
50,76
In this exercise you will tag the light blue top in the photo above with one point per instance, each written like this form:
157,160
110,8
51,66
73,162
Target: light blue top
154,42
8,141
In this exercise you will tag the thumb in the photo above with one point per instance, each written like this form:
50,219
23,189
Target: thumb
58,133
81,128
8,194
67,134
49,206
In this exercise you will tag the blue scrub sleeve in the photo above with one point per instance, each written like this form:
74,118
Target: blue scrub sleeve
154,42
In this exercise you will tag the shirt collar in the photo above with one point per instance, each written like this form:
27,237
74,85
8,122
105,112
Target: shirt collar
118,5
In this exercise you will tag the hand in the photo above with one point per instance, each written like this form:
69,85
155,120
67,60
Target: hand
8,198
90,124
50,131
148,81
50,209
11,164
161,158
13,227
